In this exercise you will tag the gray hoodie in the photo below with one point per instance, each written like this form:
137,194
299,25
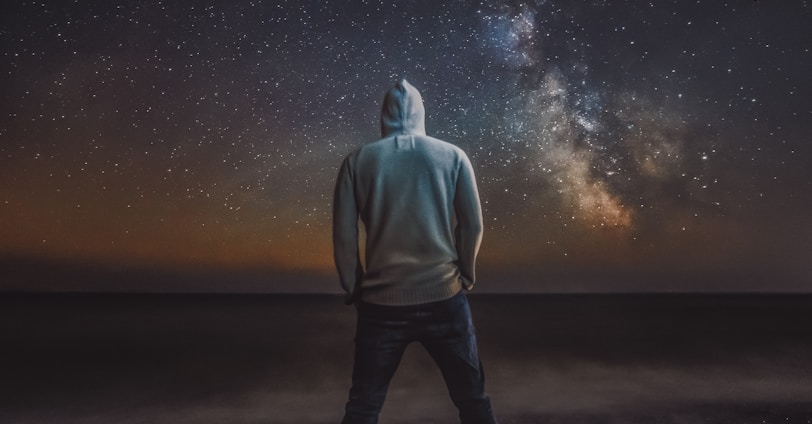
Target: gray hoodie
417,199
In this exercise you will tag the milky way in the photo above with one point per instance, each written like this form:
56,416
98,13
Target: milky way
623,139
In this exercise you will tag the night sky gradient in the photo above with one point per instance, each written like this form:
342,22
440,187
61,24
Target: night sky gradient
619,146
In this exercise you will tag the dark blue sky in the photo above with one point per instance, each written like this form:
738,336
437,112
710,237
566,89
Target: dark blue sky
619,146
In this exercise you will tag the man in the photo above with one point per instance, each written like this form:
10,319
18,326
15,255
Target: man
417,199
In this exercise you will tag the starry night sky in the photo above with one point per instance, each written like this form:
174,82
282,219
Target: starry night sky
619,146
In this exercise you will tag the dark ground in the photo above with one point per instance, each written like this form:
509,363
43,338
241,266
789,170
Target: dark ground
577,359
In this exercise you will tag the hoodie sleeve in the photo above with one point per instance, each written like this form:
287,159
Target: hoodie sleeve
469,222
345,232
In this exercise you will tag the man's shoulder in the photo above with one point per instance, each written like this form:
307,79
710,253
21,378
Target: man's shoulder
363,149
438,145
438,142
386,146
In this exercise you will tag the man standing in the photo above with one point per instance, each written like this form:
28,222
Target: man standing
417,199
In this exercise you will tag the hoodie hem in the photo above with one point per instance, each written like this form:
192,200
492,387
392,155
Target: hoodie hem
413,295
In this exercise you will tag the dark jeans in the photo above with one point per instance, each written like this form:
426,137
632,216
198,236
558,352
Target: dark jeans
446,331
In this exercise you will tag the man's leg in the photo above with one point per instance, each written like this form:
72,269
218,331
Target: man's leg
380,341
451,342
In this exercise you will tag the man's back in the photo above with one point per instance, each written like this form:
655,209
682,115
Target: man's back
417,198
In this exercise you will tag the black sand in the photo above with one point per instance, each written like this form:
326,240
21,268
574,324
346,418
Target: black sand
85,358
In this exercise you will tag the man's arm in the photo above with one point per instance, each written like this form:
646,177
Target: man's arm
345,233
469,222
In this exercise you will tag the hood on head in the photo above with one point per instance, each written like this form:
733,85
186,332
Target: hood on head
403,111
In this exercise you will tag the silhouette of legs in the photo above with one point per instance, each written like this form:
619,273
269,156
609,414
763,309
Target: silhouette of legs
446,331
